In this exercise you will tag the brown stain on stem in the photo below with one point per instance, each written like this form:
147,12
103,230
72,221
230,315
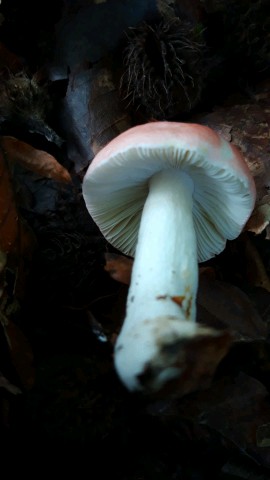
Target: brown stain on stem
178,299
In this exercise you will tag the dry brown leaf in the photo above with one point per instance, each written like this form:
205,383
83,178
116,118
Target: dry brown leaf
119,267
222,305
256,271
248,127
260,218
38,161
16,246
3,261
8,211
9,221
238,409
108,118
17,241
15,237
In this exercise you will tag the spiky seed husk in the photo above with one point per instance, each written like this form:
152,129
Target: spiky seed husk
163,67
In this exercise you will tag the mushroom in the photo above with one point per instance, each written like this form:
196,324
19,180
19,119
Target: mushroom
169,194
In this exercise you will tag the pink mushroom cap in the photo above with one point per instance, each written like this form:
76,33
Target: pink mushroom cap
115,185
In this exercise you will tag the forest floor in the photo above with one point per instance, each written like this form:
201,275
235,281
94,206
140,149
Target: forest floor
63,287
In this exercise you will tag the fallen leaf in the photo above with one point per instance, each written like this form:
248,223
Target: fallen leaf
74,117
29,157
85,31
14,235
238,409
256,271
17,241
260,218
248,127
119,267
3,261
223,305
107,115
8,211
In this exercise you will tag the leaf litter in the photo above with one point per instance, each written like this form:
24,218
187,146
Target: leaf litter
63,287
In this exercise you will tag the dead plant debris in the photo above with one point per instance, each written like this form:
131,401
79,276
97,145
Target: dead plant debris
63,288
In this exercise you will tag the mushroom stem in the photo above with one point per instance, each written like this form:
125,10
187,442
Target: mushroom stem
165,265
161,304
